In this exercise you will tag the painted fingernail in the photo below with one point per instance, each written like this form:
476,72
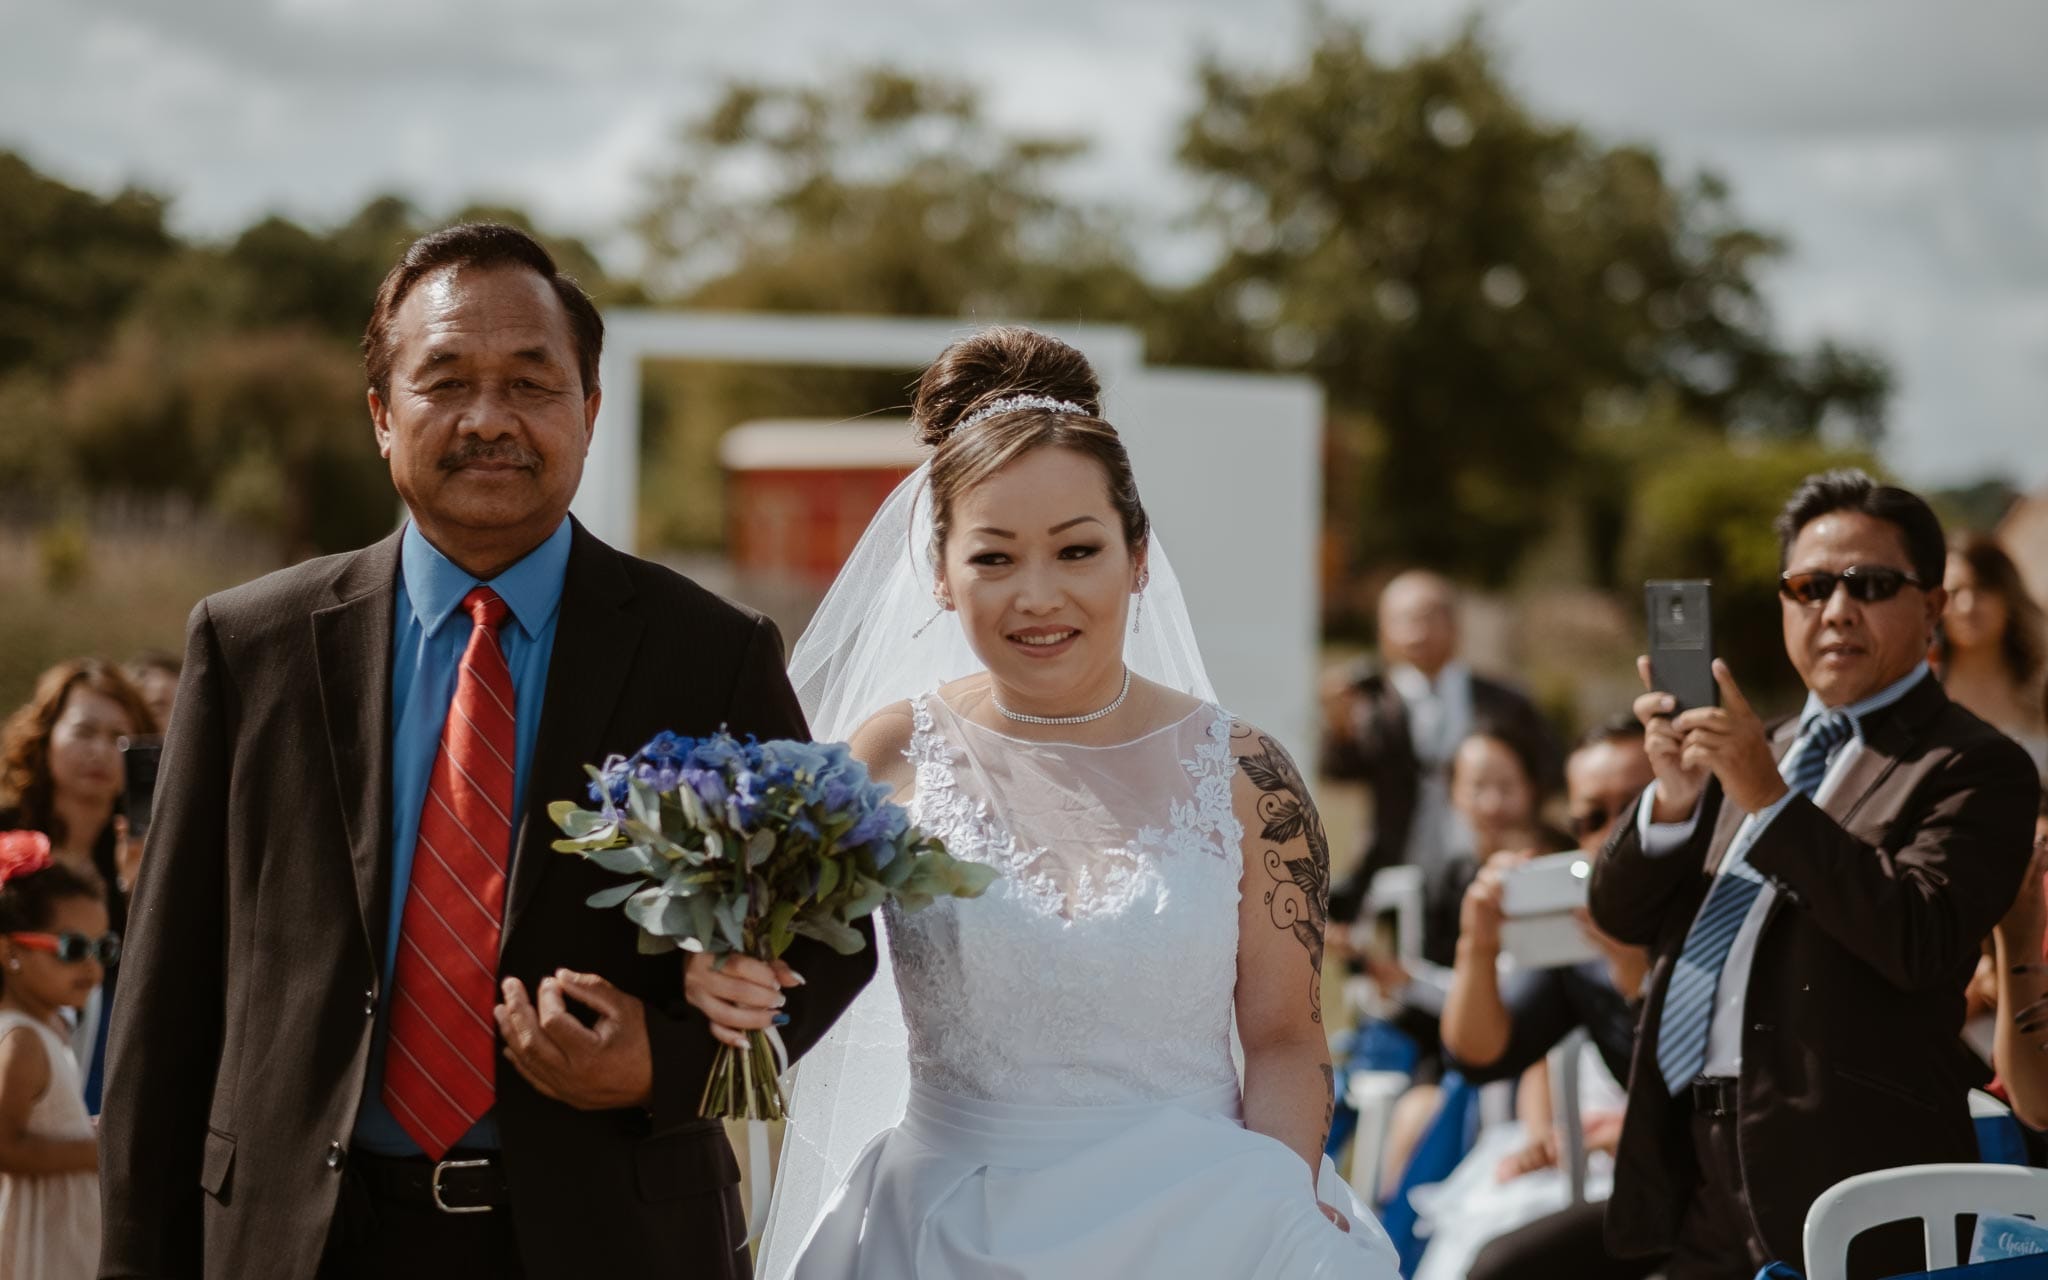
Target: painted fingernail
781,1019
797,978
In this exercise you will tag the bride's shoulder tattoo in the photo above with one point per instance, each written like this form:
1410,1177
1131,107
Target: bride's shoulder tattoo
1296,852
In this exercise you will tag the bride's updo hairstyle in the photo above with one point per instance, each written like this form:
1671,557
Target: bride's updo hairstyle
999,364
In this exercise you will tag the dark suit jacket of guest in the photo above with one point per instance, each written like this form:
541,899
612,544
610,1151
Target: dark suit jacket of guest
1851,1059
243,1029
1380,751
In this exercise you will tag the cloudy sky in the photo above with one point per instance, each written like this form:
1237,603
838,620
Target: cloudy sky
1901,145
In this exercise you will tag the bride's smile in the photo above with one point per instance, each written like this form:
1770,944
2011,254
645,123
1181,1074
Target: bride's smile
1042,576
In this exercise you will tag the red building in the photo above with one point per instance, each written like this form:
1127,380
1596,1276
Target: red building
799,492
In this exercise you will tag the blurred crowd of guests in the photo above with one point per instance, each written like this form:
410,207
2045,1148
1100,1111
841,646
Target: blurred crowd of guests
69,859
1917,819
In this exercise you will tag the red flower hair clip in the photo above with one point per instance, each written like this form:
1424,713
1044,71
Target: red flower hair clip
22,853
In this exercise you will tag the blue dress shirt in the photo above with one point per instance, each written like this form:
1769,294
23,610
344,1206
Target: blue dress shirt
429,634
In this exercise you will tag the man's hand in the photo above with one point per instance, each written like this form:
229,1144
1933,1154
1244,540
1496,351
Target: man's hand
595,1068
1730,740
1678,787
127,854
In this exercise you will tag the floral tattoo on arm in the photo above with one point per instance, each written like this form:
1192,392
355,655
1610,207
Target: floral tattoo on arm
1297,853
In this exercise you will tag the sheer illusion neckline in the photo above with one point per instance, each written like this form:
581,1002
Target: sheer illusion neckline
961,718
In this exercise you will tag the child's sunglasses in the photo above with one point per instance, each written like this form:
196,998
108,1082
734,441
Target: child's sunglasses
1868,583
72,948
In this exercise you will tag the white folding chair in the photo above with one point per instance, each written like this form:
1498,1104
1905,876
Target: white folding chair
1935,1194
1372,1094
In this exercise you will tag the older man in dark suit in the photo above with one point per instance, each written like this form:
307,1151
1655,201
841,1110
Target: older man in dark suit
372,1029
1396,730
1814,895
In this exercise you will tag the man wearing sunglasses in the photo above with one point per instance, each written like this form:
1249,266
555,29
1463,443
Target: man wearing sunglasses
1813,893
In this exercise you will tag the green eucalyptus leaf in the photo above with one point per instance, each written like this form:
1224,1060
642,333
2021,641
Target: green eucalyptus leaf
625,859
613,896
835,934
828,878
651,945
760,847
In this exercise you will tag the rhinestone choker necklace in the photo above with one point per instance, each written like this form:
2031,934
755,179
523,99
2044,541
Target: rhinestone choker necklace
1022,718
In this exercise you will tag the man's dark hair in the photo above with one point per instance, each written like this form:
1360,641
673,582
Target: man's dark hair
477,244
1620,729
1849,489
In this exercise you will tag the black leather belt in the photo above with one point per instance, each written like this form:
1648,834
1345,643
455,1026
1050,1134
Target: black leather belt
471,1182
1713,1095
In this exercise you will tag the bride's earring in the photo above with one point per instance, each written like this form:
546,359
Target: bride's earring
937,613
1138,607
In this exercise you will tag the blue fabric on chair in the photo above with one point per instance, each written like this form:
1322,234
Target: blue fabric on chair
1999,1141
1373,1045
1444,1143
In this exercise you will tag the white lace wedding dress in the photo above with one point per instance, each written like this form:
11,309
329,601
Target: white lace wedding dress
1073,1108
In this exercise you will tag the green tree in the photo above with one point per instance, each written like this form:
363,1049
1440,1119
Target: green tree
876,193
70,263
1467,279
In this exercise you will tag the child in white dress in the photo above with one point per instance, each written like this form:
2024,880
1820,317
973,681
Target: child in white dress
54,941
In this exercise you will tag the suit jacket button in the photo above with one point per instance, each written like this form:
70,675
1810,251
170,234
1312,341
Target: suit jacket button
370,1002
334,1155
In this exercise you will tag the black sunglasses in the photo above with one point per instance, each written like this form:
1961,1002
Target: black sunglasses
72,948
1868,583
1585,824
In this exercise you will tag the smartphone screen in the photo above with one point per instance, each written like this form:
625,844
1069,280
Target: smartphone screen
1682,640
139,759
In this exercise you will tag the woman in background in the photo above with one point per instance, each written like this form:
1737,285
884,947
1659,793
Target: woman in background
1996,644
60,774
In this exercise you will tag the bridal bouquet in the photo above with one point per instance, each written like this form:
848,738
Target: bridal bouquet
741,847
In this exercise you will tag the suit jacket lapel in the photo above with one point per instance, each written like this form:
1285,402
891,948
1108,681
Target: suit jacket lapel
1887,736
352,647
596,635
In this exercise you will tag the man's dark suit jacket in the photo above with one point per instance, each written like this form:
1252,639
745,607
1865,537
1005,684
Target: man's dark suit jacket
1380,751
1850,1057
242,1030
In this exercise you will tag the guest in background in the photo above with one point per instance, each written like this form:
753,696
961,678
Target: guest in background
154,673
1996,644
1396,730
1496,1031
53,935
60,773
1495,803
1813,895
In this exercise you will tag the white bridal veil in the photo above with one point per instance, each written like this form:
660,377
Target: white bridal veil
862,652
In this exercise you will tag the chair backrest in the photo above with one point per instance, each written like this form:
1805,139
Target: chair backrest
1565,1117
1400,890
1936,1194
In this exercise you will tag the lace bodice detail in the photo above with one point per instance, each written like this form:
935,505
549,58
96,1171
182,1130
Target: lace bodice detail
1100,966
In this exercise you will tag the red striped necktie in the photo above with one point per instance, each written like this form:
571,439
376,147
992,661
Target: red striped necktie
440,1072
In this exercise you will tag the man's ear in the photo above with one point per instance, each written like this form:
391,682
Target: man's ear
380,422
590,405
1937,604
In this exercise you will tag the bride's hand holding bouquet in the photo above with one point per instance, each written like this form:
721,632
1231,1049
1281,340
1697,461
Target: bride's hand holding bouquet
737,848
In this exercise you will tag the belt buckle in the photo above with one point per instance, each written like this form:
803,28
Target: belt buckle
443,1167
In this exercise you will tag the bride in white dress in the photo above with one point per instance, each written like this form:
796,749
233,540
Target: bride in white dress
1074,1109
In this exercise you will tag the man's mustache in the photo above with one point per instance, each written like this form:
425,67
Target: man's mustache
495,452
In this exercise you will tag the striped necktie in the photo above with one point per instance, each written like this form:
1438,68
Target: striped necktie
1696,978
440,1072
